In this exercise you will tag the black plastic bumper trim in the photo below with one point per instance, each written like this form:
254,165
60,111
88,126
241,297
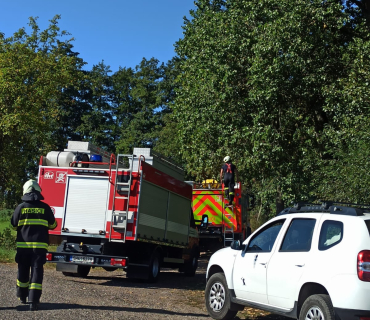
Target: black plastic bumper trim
99,260
290,313
351,314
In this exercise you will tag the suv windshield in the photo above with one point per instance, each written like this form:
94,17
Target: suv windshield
265,239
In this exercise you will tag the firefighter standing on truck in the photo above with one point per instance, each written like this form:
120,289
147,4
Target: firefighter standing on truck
32,219
228,171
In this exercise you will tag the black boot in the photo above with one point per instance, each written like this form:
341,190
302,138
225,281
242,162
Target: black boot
34,306
23,300
231,199
22,294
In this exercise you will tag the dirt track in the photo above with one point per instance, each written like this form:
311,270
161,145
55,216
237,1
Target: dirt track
110,295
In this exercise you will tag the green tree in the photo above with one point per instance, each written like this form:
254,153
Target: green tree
34,70
73,104
344,175
167,144
97,123
259,82
142,99
359,10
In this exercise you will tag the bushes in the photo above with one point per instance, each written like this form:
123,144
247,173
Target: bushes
7,236
8,240
5,214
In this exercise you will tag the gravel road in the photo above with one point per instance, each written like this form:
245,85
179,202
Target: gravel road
110,295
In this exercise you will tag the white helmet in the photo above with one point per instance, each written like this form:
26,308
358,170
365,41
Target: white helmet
227,159
31,185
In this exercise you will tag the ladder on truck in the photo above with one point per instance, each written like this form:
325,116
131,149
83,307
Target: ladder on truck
228,232
122,188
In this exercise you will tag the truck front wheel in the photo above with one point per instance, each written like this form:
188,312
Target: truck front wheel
217,296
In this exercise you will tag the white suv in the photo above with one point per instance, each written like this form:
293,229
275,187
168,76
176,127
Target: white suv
309,262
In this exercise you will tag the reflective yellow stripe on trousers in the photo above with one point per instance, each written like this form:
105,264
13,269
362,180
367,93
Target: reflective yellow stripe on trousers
22,284
35,286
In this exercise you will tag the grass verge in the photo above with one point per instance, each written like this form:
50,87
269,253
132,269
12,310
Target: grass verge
7,256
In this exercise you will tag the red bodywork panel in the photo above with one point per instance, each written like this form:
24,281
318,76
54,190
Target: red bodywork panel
54,182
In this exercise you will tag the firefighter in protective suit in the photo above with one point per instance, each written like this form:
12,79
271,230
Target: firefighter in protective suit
228,171
32,219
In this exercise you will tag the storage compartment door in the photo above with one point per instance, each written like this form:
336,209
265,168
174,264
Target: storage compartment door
179,211
86,204
153,210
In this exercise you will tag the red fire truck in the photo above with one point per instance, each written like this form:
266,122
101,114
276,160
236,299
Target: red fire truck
219,223
127,211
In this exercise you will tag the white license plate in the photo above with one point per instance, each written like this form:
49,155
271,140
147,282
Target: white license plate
81,259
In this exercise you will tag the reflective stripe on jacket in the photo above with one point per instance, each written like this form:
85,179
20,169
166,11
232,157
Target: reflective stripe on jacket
32,219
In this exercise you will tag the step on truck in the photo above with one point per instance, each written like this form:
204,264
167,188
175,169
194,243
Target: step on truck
217,222
130,211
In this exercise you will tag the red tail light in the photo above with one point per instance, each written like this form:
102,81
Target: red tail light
363,265
49,256
118,262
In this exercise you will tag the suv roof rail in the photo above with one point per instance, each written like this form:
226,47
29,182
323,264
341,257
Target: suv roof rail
326,206
298,205
356,205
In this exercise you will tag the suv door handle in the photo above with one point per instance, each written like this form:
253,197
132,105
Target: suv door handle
263,263
300,265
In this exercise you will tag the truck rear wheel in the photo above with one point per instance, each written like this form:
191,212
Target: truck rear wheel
154,267
110,269
83,271
192,265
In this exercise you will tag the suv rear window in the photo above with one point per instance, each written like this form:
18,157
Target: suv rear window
331,234
299,236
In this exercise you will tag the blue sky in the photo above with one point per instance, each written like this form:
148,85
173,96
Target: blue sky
120,32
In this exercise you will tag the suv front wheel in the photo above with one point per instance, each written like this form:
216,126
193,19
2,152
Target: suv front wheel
318,307
218,298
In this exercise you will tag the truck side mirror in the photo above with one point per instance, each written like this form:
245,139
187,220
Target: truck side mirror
235,245
204,223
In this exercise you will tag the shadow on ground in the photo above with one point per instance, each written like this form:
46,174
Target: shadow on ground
169,278
267,317
70,306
